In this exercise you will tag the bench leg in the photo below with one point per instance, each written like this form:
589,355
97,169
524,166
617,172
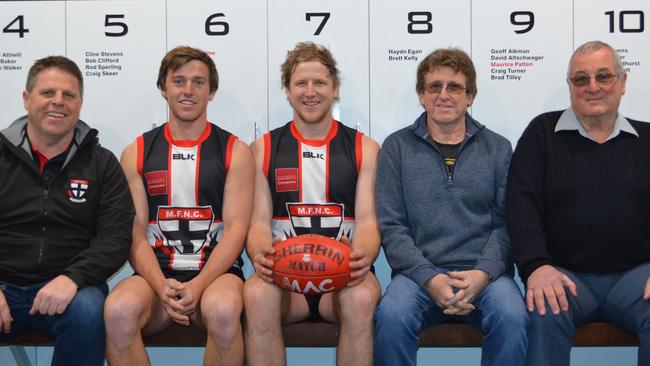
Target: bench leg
20,356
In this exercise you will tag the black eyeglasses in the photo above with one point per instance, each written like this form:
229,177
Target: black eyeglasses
602,78
451,87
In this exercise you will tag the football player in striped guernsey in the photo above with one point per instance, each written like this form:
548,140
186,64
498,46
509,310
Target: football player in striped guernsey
313,175
192,185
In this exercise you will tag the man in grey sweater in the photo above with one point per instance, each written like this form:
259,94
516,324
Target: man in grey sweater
441,205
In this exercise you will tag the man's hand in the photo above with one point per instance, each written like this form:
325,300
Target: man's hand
5,314
547,282
190,296
264,264
470,284
359,264
646,290
54,297
170,298
442,292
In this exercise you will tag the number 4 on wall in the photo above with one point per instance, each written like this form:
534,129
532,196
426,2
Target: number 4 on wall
19,28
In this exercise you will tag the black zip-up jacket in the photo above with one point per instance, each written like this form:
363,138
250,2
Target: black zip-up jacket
77,224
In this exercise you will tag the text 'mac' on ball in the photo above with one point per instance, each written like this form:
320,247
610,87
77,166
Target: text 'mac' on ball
311,264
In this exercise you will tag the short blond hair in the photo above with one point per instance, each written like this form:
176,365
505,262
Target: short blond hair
305,52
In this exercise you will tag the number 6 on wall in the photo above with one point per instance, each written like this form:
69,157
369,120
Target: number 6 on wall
209,23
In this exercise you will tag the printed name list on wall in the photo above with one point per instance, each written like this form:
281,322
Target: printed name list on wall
520,50
30,30
118,45
401,35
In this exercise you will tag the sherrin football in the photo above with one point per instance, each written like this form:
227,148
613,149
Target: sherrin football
311,264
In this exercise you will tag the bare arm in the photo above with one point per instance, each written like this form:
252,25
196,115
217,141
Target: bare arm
142,258
236,212
259,242
367,239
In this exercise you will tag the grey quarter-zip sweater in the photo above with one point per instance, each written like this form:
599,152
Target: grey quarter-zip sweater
431,222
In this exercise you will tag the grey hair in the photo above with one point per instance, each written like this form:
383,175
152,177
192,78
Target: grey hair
593,46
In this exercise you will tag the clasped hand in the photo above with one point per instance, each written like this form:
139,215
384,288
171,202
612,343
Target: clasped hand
180,299
456,291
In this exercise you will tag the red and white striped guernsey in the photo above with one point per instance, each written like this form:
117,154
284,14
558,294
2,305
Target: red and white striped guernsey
313,183
184,181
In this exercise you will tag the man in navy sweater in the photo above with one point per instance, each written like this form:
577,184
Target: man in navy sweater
578,212
441,208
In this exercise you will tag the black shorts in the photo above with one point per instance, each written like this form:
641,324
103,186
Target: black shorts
184,276
313,301
237,271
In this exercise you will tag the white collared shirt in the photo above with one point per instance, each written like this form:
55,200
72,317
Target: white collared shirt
569,121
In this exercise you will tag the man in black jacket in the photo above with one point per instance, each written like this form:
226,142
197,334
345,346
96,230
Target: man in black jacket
66,218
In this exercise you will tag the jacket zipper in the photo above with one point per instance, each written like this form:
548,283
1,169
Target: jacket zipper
46,197
450,172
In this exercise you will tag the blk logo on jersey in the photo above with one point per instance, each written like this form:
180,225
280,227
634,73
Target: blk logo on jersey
77,191
187,156
189,230
324,219
313,155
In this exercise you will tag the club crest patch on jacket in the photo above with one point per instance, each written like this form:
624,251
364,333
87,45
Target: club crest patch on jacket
78,189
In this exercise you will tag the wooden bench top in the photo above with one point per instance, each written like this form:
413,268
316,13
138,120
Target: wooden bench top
320,334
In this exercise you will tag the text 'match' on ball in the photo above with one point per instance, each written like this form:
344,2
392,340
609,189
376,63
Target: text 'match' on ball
311,264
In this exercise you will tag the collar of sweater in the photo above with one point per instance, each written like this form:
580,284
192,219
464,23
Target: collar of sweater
472,126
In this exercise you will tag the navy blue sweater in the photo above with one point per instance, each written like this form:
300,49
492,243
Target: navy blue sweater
578,204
